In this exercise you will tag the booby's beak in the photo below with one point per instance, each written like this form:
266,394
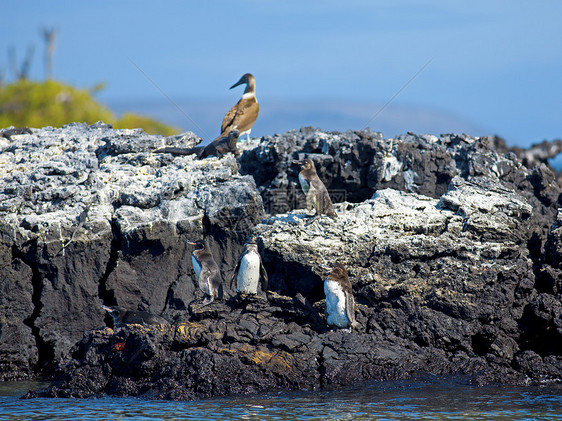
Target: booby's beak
298,162
240,82
106,308
189,242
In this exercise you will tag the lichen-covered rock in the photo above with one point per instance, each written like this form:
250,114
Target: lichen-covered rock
451,245
442,286
355,164
450,273
90,215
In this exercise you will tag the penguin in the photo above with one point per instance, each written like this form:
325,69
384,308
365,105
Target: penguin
122,317
218,147
340,305
249,268
206,270
244,114
317,196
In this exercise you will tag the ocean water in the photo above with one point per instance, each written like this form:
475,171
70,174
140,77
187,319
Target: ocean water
427,399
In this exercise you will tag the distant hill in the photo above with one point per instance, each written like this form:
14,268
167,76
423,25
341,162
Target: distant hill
281,116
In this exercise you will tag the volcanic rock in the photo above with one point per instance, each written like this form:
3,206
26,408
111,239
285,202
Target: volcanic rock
452,243
91,216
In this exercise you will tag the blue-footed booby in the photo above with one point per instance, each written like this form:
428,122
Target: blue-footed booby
244,114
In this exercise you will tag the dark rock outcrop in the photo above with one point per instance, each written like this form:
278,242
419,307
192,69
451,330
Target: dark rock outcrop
355,164
453,247
254,345
89,216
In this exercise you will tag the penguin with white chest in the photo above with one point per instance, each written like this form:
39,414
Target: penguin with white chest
249,268
315,191
207,271
340,305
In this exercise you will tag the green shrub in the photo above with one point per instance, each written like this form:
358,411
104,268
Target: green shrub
38,104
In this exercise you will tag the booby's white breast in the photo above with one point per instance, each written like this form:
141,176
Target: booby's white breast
335,304
248,274
246,132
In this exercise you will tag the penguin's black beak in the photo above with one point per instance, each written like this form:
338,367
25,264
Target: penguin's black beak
234,134
240,82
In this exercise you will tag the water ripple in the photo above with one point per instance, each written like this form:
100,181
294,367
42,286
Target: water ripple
434,399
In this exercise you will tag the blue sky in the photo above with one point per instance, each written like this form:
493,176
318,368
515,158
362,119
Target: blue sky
495,67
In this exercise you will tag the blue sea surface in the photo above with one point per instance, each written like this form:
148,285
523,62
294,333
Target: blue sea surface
427,399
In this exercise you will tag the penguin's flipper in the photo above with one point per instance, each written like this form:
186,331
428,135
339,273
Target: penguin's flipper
205,281
350,308
311,198
263,274
217,286
323,201
236,268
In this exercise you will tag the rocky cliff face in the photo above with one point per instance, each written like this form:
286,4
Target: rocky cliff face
452,244
354,165
89,216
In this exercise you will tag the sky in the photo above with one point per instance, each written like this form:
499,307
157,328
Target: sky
480,67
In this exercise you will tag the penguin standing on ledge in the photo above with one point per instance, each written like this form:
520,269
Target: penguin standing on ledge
317,196
122,317
340,305
206,270
249,268
244,114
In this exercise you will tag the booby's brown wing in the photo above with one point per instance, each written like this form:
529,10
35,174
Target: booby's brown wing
242,116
